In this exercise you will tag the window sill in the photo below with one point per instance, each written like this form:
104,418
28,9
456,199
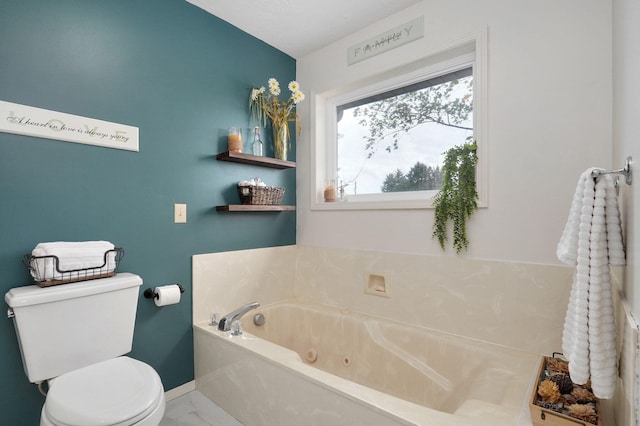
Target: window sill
373,205
415,204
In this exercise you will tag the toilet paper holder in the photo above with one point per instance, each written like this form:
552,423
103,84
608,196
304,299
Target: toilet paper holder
150,293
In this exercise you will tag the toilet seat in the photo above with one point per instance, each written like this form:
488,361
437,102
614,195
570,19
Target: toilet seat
120,391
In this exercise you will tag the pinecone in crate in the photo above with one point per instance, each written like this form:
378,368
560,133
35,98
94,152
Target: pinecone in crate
548,391
583,412
565,385
582,395
557,365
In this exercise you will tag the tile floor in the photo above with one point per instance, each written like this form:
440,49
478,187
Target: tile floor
195,409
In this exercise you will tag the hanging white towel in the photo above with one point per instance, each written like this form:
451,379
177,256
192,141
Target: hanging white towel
567,251
591,241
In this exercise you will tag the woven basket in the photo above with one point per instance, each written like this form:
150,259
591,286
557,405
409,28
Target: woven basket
260,195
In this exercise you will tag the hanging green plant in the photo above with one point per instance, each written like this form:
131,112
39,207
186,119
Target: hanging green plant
458,198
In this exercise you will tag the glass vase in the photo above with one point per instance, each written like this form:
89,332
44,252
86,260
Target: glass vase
280,139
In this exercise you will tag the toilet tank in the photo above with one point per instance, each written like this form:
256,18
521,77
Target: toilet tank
66,327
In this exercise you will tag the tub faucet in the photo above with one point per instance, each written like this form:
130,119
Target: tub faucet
225,322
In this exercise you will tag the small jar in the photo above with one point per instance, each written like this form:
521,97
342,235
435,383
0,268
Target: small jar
235,139
330,193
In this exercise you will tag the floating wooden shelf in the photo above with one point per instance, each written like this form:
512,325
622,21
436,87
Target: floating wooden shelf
253,208
254,160
239,157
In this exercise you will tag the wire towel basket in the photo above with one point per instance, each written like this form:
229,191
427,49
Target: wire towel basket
46,270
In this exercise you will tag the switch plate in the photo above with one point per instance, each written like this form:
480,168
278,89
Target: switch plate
180,213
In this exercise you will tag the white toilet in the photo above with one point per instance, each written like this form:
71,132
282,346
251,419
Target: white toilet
74,336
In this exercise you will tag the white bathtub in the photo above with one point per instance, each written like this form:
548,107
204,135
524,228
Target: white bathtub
315,365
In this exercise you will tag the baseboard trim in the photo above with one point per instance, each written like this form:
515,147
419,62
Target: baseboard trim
180,390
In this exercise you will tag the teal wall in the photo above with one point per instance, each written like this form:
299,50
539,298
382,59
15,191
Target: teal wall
182,76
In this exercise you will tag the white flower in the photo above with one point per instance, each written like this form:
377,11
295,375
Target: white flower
256,92
297,96
274,87
294,86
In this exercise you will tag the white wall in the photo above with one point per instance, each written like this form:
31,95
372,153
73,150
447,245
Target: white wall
626,134
626,130
549,118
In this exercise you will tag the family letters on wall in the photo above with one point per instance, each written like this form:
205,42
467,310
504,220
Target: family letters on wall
388,40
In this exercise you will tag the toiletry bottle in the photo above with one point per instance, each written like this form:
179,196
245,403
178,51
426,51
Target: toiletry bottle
257,146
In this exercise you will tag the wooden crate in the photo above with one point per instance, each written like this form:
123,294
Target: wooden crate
541,416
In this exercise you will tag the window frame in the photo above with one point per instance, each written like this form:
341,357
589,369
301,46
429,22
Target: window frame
467,52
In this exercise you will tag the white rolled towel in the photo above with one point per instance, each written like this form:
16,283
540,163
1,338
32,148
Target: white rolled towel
71,256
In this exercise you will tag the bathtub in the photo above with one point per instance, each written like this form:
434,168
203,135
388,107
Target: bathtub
316,365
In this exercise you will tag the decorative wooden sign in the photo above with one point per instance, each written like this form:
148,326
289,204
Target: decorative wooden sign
388,40
43,123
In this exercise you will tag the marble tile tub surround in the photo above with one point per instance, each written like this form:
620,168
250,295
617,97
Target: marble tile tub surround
224,281
513,304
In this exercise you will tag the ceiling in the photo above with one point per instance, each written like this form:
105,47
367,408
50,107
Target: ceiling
299,27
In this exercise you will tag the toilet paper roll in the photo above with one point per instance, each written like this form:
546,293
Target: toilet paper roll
167,295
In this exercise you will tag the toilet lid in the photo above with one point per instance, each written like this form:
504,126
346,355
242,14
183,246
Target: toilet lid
119,391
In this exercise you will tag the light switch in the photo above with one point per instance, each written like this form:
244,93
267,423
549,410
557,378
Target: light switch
180,213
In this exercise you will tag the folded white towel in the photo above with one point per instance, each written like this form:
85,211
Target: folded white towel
592,239
72,256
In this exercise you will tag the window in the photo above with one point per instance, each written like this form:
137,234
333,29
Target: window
385,141
393,141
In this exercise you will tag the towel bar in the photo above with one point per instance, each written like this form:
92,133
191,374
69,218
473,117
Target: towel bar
626,171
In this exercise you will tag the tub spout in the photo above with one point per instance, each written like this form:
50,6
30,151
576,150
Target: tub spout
225,322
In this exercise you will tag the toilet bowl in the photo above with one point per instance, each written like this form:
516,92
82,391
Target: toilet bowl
120,391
